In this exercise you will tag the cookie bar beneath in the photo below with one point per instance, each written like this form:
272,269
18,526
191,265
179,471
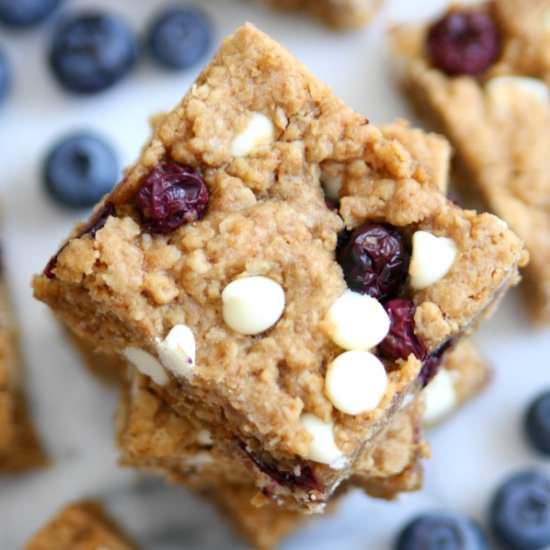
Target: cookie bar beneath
152,436
80,526
466,373
224,264
338,14
20,448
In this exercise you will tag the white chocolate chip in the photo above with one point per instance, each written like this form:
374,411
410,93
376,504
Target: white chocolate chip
251,305
146,364
177,351
202,458
440,397
331,185
258,132
323,447
506,91
356,321
204,437
356,382
432,258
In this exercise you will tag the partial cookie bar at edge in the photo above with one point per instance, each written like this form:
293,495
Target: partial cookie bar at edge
498,122
338,14
133,280
20,448
81,525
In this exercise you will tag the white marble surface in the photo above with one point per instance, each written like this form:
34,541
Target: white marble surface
472,452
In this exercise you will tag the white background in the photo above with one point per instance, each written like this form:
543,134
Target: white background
472,452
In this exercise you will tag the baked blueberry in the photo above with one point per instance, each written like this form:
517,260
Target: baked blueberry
170,196
442,531
464,42
91,52
4,76
179,37
537,423
375,261
520,512
80,169
26,13
401,340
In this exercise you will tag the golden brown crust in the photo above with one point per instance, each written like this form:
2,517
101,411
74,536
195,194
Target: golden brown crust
80,526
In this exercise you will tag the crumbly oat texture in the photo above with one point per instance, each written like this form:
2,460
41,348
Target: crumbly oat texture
122,287
80,526
338,14
19,445
154,437
500,129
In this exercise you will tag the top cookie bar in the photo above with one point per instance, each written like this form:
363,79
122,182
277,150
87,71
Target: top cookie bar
490,95
339,14
219,267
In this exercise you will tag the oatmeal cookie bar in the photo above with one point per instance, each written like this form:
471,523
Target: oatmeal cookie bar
219,268
80,526
339,14
152,436
19,445
489,94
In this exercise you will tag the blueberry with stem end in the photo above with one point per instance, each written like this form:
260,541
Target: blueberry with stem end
91,52
80,169
520,512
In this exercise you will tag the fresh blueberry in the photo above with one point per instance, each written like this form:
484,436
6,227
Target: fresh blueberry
442,531
91,52
26,13
537,423
80,169
4,76
520,512
179,37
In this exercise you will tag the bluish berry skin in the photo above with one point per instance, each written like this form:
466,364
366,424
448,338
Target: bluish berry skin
537,423
21,14
179,37
91,52
5,77
442,531
520,512
79,170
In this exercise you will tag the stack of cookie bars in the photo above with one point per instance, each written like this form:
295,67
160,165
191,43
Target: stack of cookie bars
281,279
